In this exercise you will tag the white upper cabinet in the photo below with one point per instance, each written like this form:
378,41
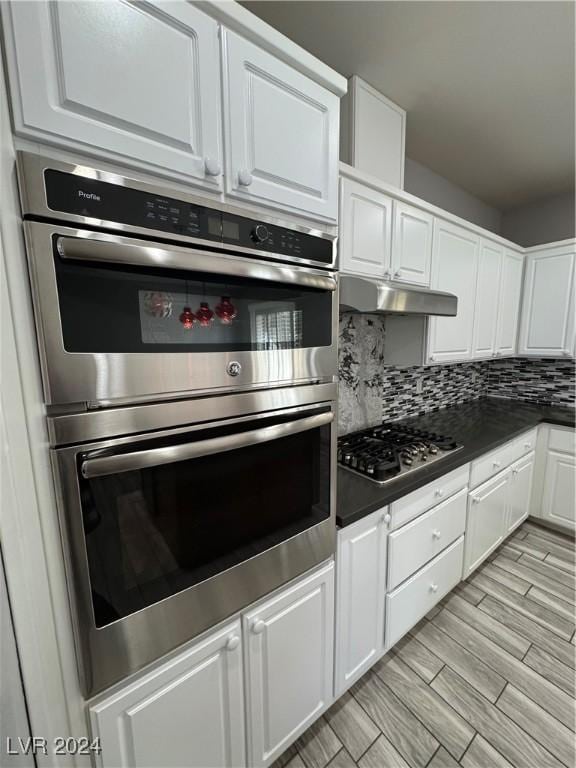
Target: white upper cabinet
190,711
373,133
486,310
136,82
411,244
509,303
360,597
281,133
365,230
289,672
454,268
547,328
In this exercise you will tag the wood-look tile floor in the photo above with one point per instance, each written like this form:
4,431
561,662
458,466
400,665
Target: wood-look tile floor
486,680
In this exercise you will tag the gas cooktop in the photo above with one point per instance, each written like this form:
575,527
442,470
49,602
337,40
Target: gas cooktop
388,451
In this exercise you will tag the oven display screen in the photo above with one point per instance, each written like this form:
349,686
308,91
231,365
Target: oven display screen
230,229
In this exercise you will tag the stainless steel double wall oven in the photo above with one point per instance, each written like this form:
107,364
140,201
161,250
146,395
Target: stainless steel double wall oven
189,362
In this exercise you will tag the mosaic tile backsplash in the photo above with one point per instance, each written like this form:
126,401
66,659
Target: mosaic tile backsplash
371,392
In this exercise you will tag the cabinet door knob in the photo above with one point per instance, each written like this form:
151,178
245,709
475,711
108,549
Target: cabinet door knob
515,471
258,627
244,178
397,273
211,167
434,587
436,534
475,500
496,464
439,492
387,518
233,643
432,357
527,445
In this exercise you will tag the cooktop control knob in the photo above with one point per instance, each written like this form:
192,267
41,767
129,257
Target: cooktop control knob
260,233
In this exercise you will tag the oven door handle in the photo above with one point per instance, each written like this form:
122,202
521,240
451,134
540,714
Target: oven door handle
125,462
189,259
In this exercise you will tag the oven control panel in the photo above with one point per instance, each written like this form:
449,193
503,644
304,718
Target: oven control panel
113,203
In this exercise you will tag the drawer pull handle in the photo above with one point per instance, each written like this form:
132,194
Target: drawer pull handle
496,464
439,492
233,643
258,627
434,587
436,534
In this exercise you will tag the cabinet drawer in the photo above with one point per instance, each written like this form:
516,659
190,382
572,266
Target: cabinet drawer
490,464
413,599
419,541
562,440
417,502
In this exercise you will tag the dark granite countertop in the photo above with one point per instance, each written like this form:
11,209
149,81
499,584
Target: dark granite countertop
479,425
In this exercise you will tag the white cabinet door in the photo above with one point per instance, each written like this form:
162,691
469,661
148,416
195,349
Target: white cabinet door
486,308
189,711
360,597
289,673
281,133
454,268
547,328
136,82
520,490
411,244
559,489
365,230
486,520
509,303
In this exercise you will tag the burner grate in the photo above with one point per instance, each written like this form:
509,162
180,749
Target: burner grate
387,451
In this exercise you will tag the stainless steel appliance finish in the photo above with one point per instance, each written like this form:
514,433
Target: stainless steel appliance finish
110,377
361,294
32,167
107,653
389,451
73,245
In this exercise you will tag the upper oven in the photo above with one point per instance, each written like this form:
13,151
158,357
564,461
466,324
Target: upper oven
140,294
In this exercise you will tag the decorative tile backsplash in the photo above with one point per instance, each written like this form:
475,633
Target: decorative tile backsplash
371,392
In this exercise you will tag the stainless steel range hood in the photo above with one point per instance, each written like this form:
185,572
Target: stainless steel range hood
366,295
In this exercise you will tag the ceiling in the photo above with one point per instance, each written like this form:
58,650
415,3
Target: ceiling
488,86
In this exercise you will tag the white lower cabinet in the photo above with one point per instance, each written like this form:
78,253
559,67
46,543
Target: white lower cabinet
289,664
189,711
520,490
486,520
555,476
420,540
238,696
419,594
559,489
361,594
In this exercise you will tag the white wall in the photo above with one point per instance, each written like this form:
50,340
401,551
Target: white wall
422,182
544,221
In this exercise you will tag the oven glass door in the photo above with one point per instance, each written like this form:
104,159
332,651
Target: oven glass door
163,514
203,302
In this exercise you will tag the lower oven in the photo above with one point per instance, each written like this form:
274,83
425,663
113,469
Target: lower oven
169,531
